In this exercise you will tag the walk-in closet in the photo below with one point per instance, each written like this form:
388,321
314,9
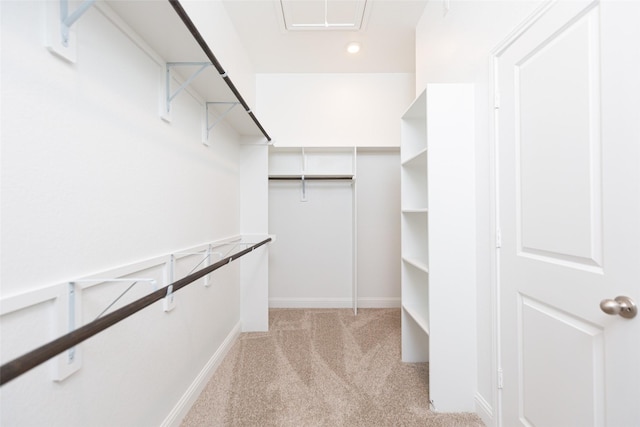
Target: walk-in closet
321,212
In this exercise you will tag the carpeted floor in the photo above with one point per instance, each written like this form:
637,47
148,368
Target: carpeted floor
321,367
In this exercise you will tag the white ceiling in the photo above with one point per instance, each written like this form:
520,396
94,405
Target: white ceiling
387,35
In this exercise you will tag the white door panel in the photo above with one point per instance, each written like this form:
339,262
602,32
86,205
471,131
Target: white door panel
568,144
568,105
546,330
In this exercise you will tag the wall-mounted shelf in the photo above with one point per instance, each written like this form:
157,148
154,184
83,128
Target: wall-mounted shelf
174,37
320,162
312,164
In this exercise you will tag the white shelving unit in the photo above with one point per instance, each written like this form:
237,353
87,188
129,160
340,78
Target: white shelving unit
414,230
438,241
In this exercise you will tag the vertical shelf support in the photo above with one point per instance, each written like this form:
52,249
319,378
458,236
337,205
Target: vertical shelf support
354,222
71,316
304,189
207,263
304,169
68,310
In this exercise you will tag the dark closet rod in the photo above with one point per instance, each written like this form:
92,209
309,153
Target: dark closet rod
310,178
203,44
24,363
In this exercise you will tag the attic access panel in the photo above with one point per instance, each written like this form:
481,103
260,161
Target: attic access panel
322,15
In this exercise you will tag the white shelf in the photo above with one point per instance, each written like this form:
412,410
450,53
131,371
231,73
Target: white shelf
413,129
415,181
415,210
421,320
420,265
415,236
158,24
420,156
312,162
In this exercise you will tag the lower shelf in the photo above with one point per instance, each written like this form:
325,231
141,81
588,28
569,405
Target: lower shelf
415,336
421,320
420,265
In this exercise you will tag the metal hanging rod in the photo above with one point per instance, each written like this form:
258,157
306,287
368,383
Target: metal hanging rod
304,178
24,363
203,44
310,177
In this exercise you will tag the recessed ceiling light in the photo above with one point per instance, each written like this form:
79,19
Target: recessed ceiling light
353,47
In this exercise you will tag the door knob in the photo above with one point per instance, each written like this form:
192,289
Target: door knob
623,306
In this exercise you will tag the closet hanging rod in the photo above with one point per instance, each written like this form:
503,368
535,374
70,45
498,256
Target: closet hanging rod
203,44
24,363
309,177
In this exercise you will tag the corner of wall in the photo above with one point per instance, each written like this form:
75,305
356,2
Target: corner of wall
182,408
484,410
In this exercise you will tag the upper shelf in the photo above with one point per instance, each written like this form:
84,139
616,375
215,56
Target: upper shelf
168,30
419,159
312,162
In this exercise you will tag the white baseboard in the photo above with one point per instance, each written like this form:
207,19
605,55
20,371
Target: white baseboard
364,302
373,302
484,410
195,389
310,303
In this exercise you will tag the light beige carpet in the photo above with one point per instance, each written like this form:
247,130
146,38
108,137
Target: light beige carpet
318,367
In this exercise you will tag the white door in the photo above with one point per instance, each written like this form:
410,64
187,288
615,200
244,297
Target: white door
568,175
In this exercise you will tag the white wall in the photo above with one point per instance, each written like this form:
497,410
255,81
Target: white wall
85,156
312,261
378,233
315,110
254,205
456,48
93,180
338,110
344,110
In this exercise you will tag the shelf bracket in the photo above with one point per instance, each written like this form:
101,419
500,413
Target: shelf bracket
132,280
70,361
69,319
207,125
169,96
61,39
304,190
71,316
66,20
